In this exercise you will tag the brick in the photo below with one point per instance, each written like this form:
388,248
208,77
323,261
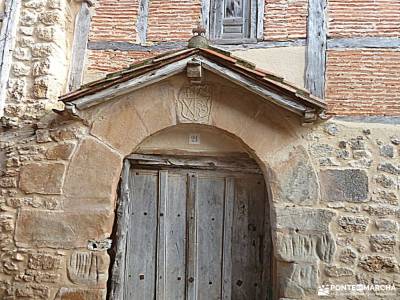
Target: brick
114,21
285,19
172,20
364,18
363,82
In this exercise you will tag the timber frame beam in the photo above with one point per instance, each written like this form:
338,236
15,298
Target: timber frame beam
316,47
81,36
7,43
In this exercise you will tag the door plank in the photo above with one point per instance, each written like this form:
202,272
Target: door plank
256,192
175,226
141,256
162,235
122,216
209,206
227,243
248,238
191,249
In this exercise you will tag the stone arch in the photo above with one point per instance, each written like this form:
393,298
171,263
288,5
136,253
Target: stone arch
272,136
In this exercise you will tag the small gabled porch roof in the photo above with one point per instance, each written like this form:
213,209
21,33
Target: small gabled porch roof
270,87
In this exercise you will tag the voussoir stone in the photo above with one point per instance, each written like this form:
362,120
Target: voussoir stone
303,219
297,179
37,228
42,178
60,151
120,126
94,171
344,185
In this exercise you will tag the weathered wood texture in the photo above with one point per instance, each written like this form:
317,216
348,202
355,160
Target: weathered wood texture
241,163
195,234
7,42
132,85
370,42
81,36
316,47
205,16
233,21
122,217
140,267
141,24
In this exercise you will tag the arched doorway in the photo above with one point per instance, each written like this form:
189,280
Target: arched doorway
194,221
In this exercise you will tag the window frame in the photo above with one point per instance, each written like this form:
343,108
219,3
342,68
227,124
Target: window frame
213,19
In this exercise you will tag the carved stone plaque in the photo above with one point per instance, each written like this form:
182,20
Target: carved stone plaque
194,104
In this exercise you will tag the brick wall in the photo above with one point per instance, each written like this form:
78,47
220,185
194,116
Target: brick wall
285,19
363,82
364,18
114,20
172,20
106,61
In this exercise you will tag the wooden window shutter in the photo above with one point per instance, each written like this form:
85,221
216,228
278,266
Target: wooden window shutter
233,21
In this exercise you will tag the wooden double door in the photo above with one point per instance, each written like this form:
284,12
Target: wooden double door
196,234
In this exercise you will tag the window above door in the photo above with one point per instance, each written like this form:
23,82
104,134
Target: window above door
235,21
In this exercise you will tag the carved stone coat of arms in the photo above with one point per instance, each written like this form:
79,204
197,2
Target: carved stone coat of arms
194,104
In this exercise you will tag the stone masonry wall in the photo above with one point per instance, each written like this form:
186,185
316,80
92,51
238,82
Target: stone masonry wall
359,167
335,195
40,60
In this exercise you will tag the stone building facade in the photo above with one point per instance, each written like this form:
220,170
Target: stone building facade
333,178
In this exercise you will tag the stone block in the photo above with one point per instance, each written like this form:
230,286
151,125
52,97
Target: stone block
348,256
387,225
42,136
80,294
41,67
88,268
50,229
353,224
377,263
61,151
42,178
44,261
382,210
41,87
336,271
28,18
35,3
344,185
26,30
51,17
120,126
303,219
389,168
382,243
385,181
93,172
42,50
8,182
297,280
20,69
296,180
387,197
304,247
386,151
